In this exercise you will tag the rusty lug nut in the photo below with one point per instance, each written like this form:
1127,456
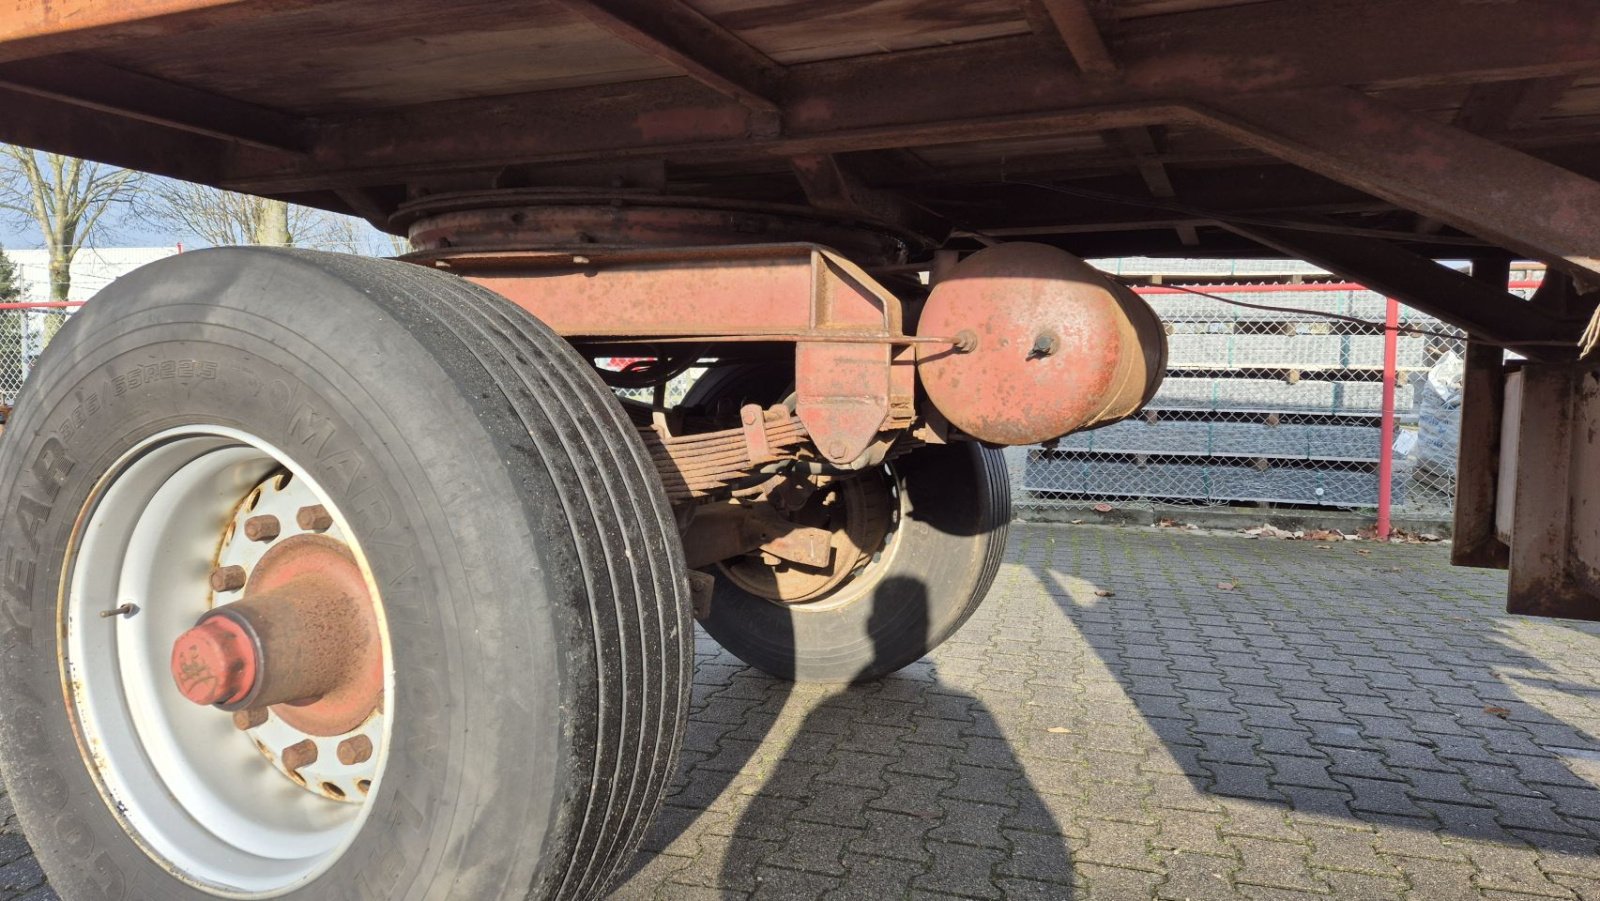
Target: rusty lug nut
227,578
315,518
249,719
302,753
966,341
262,528
354,750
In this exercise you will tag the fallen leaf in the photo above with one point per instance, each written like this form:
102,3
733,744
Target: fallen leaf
1227,586
1500,712
1077,522
1059,730
1103,593
1102,508
1324,547
1364,552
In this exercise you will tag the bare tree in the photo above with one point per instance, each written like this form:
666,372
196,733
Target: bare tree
225,218
67,198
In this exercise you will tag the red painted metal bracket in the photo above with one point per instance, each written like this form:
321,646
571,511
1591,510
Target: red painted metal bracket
854,376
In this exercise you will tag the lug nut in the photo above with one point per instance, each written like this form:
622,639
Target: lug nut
249,719
227,578
315,518
302,753
262,528
354,750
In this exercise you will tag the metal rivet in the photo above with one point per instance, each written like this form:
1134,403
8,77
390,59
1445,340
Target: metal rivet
262,528
300,754
314,518
249,719
227,578
354,750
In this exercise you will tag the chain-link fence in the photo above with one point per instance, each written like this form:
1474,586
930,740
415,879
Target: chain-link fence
1260,406
25,329
1272,407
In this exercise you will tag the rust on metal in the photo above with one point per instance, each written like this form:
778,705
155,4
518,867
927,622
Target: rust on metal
848,391
1550,480
354,750
299,755
757,449
314,518
251,718
443,226
855,514
262,528
304,641
697,465
216,662
1057,347
228,578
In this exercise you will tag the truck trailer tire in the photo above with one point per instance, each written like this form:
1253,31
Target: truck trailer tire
472,554
949,514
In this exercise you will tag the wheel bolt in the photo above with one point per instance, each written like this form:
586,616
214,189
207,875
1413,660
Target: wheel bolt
262,528
354,750
302,753
227,578
249,719
315,518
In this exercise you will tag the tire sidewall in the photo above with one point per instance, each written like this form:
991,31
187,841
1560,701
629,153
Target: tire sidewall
109,383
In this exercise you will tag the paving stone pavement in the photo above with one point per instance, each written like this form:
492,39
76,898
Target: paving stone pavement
1356,722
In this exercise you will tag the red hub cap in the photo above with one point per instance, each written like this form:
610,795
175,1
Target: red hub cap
303,641
215,662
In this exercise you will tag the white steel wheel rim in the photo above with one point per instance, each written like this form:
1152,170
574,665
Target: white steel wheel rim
190,788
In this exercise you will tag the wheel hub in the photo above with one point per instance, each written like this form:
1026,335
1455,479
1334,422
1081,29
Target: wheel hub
304,640
858,512
232,708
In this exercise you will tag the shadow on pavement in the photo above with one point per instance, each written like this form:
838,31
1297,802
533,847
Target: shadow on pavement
1333,682
859,791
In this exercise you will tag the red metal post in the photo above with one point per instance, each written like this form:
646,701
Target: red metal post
1391,346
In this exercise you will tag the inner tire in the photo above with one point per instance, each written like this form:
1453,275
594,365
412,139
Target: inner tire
950,536
532,583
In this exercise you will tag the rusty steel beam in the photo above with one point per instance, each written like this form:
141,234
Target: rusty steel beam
1483,188
884,100
680,35
831,184
1496,107
82,82
1483,310
51,126
1075,23
1555,482
1476,541
32,28
847,389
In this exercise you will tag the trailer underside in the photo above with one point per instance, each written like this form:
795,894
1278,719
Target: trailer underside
1370,137
389,517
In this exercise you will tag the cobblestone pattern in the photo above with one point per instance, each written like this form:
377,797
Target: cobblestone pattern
1358,722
